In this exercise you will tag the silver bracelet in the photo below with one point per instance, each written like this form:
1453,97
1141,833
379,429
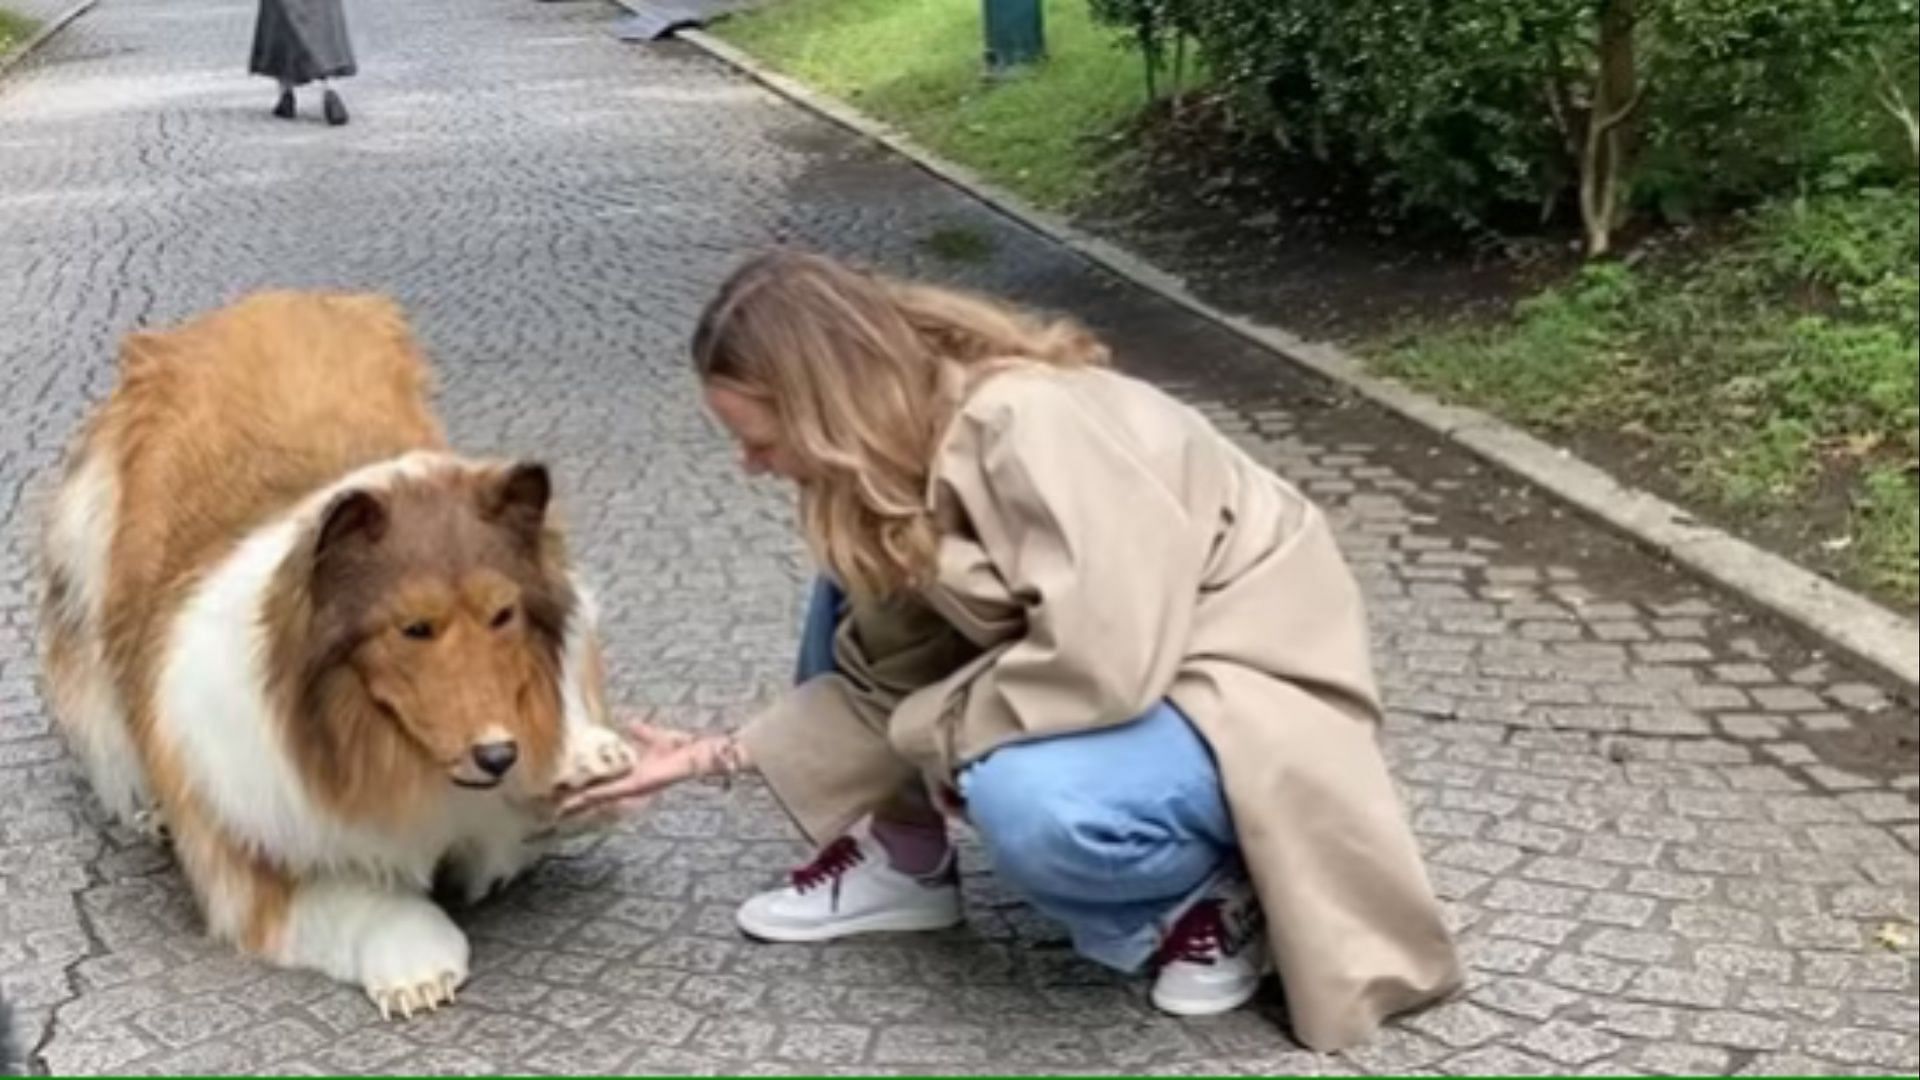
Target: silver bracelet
729,760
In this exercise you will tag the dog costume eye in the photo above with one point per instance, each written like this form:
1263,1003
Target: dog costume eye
418,631
502,617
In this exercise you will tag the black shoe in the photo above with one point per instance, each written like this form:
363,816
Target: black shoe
334,108
284,108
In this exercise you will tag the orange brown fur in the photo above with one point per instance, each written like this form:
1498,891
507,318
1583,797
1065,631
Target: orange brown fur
232,422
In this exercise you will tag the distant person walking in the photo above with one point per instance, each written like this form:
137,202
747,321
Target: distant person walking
299,41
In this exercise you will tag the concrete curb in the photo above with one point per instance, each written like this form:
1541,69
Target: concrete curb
1853,624
44,34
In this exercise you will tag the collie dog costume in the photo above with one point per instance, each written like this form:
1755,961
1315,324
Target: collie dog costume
333,657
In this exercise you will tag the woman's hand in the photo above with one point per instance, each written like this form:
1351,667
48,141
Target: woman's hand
667,756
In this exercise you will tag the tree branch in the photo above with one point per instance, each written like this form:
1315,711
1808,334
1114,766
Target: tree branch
1894,100
1560,105
1606,124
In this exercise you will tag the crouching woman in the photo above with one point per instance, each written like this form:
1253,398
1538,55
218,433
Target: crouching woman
1062,605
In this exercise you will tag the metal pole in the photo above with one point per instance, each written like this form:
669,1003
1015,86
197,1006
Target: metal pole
1016,33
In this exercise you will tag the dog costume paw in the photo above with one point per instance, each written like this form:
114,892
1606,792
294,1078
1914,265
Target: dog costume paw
414,963
417,997
594,755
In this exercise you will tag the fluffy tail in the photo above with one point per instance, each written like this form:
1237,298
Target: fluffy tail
78,682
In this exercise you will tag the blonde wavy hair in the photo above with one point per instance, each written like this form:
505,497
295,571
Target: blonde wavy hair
863,373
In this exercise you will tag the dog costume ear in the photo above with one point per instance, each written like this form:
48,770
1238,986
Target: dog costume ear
517,499
351,516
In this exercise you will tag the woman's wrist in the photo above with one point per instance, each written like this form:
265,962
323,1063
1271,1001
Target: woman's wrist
721,757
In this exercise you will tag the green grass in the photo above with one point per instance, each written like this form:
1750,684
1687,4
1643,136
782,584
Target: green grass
1783,361
917,65
14,30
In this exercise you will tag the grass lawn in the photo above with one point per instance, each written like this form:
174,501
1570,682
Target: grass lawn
917,64
1773,380
14,30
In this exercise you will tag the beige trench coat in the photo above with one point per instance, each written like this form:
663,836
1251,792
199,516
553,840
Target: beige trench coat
1104,547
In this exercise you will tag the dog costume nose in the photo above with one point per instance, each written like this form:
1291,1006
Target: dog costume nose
495,758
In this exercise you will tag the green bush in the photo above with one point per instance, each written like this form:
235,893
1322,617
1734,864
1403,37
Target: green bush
1481,109
14,30
1752,97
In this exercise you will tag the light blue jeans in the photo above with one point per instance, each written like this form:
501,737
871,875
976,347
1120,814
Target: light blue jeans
1111,832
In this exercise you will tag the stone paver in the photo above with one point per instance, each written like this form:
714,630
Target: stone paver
1666,835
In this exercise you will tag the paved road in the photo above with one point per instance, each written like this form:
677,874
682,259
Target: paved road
1667,834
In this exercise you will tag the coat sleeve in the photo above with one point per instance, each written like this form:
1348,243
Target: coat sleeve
823,747
823,750
1102,559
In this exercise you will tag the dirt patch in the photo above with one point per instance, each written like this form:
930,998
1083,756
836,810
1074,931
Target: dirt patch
1272,237
1812,535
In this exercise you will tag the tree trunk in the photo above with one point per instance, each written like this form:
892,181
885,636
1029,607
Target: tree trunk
1607,145
1148,30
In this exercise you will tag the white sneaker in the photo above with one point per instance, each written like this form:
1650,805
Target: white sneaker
851,888
1214,955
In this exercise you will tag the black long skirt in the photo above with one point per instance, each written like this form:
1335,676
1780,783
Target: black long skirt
298,41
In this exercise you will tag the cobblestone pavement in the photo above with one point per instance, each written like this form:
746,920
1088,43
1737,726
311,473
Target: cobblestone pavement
1668,836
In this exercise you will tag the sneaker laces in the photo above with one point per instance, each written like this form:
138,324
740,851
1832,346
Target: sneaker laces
1197,937
829,866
